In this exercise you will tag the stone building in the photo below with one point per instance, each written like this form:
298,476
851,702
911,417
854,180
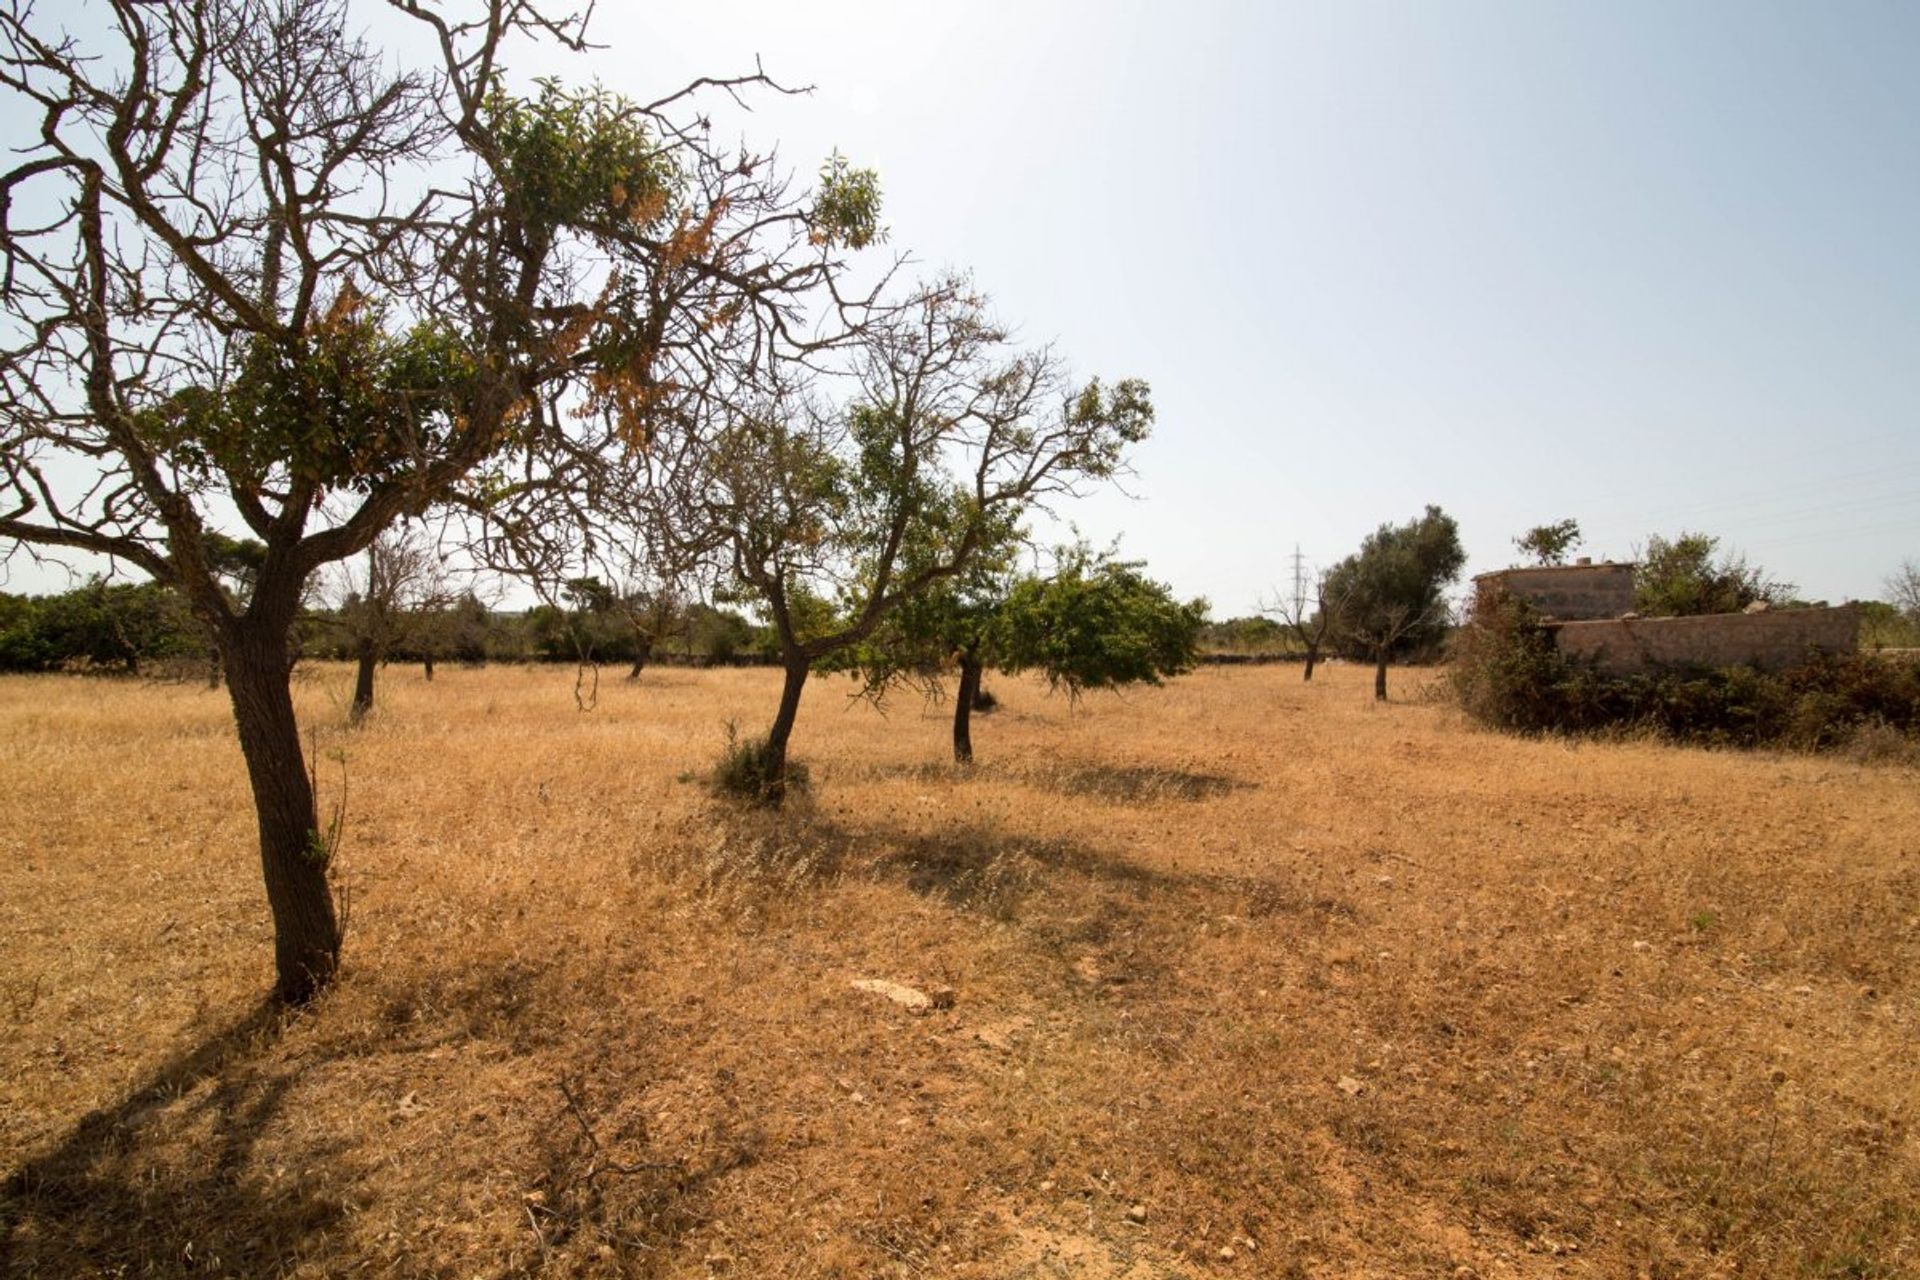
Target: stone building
1589,608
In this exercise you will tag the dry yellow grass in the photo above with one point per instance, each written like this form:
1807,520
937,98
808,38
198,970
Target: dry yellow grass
1325,988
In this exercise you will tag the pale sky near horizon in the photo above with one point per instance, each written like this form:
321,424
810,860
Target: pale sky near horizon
1648,265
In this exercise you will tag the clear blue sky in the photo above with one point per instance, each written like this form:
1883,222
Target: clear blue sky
1650,265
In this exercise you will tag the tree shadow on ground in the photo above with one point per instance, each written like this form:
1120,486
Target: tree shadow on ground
1132,784
104,1202
982,869
617,1196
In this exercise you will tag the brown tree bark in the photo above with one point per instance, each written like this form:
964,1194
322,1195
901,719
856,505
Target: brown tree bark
970,673
777,738
426,661
1380,673
293,856
369,658
1313,659
642,654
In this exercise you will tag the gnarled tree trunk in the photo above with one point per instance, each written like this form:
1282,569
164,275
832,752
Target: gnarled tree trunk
293,855
969,691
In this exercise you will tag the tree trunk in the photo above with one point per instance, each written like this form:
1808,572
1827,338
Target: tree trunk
213,667
970,673
782,731
641,655
1313,658
293,856
426,661
363,683
1380,673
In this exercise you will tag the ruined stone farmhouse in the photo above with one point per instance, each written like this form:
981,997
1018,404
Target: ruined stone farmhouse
1589,608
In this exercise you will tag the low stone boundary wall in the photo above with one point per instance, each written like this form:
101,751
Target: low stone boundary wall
1770,640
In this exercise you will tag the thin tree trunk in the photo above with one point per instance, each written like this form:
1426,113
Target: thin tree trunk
970,673
1380,673
782,731
426,661
363,683
641,655
1313,658
293,856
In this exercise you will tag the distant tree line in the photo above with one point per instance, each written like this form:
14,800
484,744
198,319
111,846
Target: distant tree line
140,628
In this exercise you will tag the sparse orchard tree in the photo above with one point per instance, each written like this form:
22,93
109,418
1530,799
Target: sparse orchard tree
827,514
1094,623
1394,588
262,277
388,600
1311,620
1903,590
1550,544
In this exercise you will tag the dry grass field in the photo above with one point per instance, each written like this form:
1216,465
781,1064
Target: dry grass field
1250,978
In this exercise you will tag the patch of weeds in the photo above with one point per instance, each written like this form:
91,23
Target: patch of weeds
745,771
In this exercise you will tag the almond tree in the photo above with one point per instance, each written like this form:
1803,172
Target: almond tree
396,592
838,497
260,276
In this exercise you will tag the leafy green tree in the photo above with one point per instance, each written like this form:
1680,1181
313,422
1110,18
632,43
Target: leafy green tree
263,272
1550,544
1393,590
1684,577
1094,623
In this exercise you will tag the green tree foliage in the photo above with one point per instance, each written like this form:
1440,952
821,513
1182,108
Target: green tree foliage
1550,543
1098,623
1095,623
101,624
1683,577
1392,592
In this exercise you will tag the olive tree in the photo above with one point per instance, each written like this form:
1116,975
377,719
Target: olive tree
1394,587
262,276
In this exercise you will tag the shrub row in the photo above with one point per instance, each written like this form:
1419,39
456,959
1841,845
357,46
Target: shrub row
1508,673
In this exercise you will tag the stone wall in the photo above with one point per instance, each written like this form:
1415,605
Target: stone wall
1770,640
1570,591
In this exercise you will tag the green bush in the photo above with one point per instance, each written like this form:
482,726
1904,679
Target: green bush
1508,673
